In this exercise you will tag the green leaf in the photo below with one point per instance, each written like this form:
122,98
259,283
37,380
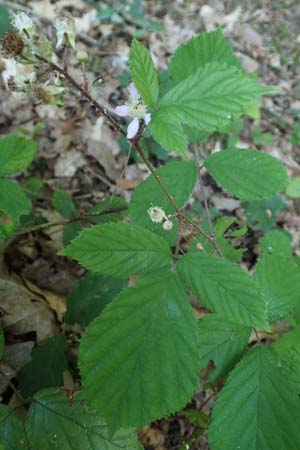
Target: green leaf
4,20
111,202
262,214
70,232
16,153
276,242
179,178
119,249
286,342
1,341
258,408
293,188
222,342
143,73
46,367
53,422
248,174
12,433
279,280
143,352
13,201
211,97
224,288
199,51
168,132
63,204
90,296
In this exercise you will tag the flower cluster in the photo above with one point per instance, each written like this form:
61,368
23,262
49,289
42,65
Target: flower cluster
134,108
24,48
158,215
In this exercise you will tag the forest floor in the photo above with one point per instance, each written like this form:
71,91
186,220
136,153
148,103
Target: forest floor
80,154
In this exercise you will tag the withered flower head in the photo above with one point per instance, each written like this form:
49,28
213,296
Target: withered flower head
12,44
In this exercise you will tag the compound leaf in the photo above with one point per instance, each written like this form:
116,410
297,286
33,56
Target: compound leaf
90,296
54,422
211,97
143,351
13,201
119,249
12,434
248,174
222,342
279,279
143,73
46,367
179,178
258,408
199,51
224,288
16,153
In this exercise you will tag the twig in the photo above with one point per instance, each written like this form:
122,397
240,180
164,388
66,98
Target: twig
134,142
207,212
45,226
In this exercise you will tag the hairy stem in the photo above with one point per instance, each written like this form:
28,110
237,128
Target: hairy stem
47,225
134,142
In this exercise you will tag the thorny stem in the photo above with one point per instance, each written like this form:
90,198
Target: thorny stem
47,225
134,142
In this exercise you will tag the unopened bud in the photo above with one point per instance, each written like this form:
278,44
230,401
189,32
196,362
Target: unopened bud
167,225
82,56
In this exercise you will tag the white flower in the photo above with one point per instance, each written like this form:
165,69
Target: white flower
18,77
134,108
23,23
167,225
65,31
157,214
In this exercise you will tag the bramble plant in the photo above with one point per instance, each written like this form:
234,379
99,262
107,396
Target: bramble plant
143,349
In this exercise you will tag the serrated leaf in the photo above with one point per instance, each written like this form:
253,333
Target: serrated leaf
211,97
64,204
13,201
224,288
46,367
179,178
286,341
16,153
12,433
293,188
70,232
4,20
143,73
168,132
262,214
54,422
143,352
90,296
199,51
248,174
222,342
258,408
276,242
111,202
119,249
279,280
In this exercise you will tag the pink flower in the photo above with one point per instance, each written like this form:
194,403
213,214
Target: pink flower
134,108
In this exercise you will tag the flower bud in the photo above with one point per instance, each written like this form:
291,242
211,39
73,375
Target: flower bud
82,56
24,24
167,225
65,31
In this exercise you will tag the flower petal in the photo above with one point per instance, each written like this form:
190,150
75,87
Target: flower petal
122,110
133,128
147,118
134,95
